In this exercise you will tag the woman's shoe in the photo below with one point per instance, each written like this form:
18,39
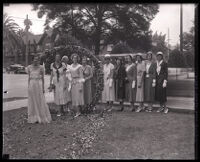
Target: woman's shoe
166,110
59,114
78,114
160,109
138,109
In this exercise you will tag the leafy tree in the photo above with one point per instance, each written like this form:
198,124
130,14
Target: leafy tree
11,40
121,47
176,59
188,47
159,43
92,23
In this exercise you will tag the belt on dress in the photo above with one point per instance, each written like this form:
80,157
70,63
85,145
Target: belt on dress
35,78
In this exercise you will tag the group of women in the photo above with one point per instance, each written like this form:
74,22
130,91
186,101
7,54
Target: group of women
71,85
138,81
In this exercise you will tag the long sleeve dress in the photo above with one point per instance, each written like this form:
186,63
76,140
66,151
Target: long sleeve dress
108,93
131,73
87,73
149,76
38,110
59,79
77,90
140,80
119,77
161,75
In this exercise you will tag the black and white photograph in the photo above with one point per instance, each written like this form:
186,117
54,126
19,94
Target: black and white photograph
99,81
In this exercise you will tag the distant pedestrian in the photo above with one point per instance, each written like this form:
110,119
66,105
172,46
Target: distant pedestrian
38,110
149,81
119,78
58,81
131,78
161,82
108,93
140,82
78,80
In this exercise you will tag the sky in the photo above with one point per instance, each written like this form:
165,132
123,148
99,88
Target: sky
168,17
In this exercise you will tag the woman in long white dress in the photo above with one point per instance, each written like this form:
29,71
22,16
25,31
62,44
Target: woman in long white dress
58,79
38,110
108,94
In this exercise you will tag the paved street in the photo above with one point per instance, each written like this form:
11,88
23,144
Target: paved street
16,85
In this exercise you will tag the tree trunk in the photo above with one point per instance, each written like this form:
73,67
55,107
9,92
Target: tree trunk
98,30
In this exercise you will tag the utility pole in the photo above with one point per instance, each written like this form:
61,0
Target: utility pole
27,23
168,43
181,29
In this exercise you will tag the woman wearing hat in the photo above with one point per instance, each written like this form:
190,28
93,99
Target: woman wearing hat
161,82
58,81
131,73
140,82
78,80
87,74
119,77
68,78
108,93
149,81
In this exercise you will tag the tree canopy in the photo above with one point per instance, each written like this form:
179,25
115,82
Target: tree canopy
92,23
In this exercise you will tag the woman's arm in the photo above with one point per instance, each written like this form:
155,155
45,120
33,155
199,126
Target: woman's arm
42,72
28,75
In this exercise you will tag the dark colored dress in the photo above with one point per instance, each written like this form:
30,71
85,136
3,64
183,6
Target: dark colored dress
119,77
150,75
131,73
87,85
160,92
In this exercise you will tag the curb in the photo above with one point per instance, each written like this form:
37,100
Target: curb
155,106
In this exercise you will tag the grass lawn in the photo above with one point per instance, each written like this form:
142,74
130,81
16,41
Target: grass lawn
116,135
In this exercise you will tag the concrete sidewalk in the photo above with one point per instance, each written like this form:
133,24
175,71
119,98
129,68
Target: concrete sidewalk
173,103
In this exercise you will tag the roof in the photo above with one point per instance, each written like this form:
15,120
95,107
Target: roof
32,38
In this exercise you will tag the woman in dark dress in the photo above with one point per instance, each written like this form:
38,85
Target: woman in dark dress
131,77
119,77
149,81
161,82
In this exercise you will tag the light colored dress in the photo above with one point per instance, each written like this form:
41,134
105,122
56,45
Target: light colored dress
108,93
77,85
87,73
140,79
68,83
59,82
38,110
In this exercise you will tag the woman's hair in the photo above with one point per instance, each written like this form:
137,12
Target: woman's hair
75,55
140,57
150,53
64,58
130,57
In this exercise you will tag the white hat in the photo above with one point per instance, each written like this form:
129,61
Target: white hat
107,55
159,53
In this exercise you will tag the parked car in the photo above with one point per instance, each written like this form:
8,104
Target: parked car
16,69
